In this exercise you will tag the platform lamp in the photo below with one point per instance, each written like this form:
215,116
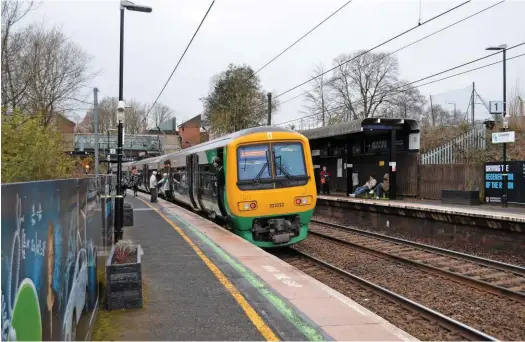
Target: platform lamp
119,200
503,49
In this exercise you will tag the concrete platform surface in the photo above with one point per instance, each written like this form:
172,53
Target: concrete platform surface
209,284
511,214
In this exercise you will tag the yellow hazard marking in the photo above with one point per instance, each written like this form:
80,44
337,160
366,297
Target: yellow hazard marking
264,329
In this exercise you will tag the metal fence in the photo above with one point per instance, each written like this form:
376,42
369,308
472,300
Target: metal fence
448,153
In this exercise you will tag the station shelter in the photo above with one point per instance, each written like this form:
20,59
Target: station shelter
354,150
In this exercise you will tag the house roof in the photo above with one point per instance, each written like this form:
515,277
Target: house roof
194,120
355,126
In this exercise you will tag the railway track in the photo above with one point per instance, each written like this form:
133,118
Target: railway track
404,308
488,275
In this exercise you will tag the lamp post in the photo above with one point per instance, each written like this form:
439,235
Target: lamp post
119,200
503,49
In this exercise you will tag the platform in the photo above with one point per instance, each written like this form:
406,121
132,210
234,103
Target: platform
511,214
204,283
484,227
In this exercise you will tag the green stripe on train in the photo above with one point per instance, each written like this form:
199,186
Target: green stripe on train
244,224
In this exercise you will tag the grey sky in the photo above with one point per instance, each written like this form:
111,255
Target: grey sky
253,32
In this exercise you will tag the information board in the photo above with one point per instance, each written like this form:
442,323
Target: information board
494,181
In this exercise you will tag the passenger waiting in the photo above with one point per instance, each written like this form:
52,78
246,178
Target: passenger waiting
367,187
153,187
325,181
383,187
164,184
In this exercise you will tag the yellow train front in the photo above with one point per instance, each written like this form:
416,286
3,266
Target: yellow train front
269,194
270,191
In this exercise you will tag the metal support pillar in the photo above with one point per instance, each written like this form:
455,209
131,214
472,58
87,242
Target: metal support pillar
504,196
392,164
95,115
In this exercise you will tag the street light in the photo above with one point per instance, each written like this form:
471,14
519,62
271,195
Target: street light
119,200
503,48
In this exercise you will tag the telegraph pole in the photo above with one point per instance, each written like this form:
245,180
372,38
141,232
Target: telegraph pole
473,102
269,109
95,114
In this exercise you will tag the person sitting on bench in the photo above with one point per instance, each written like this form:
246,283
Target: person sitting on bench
371,184
383,187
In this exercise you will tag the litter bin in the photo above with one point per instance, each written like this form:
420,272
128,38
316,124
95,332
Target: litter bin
128,215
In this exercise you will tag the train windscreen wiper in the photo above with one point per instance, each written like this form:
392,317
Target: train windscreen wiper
281,168
265,165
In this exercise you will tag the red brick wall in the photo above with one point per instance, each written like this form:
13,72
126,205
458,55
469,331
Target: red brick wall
190,136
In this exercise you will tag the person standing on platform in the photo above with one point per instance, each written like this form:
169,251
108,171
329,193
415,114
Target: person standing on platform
134,180
164,185
153,186
325,181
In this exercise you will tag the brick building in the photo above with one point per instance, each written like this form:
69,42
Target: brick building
191,132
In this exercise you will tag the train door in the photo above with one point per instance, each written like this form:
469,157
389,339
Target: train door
145,177
196,181
221,191
190,178
167,169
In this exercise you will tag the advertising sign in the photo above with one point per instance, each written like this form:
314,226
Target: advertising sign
515,184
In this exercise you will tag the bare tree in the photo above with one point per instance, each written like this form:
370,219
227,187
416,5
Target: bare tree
319,99
437,116
58,69
160,114
135,114
14,79
406,102
362,85
514,102
134,122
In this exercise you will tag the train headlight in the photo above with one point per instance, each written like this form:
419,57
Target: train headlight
303,200
245,206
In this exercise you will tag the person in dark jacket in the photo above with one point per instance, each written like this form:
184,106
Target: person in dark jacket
134,180
325,181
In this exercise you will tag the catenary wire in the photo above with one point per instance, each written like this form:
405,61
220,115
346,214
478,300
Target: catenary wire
406,46
375,47
420,85
298,40
181,57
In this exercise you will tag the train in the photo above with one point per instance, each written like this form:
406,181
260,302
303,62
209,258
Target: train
269,195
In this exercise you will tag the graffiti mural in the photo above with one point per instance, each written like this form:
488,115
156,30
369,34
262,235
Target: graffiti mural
50,234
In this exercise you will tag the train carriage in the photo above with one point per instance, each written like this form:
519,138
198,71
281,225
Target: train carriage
269,193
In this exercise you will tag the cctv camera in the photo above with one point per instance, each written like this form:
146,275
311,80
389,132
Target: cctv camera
489,124
121,106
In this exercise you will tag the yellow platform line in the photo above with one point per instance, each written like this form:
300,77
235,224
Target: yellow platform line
264,329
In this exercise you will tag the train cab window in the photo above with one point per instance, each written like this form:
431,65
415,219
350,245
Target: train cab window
253,162
288,159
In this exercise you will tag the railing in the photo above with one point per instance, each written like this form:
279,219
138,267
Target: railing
475,139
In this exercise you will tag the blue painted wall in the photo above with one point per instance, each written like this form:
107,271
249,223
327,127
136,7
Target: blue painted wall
51,234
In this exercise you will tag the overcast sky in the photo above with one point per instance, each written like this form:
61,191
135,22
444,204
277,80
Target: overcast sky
253,32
